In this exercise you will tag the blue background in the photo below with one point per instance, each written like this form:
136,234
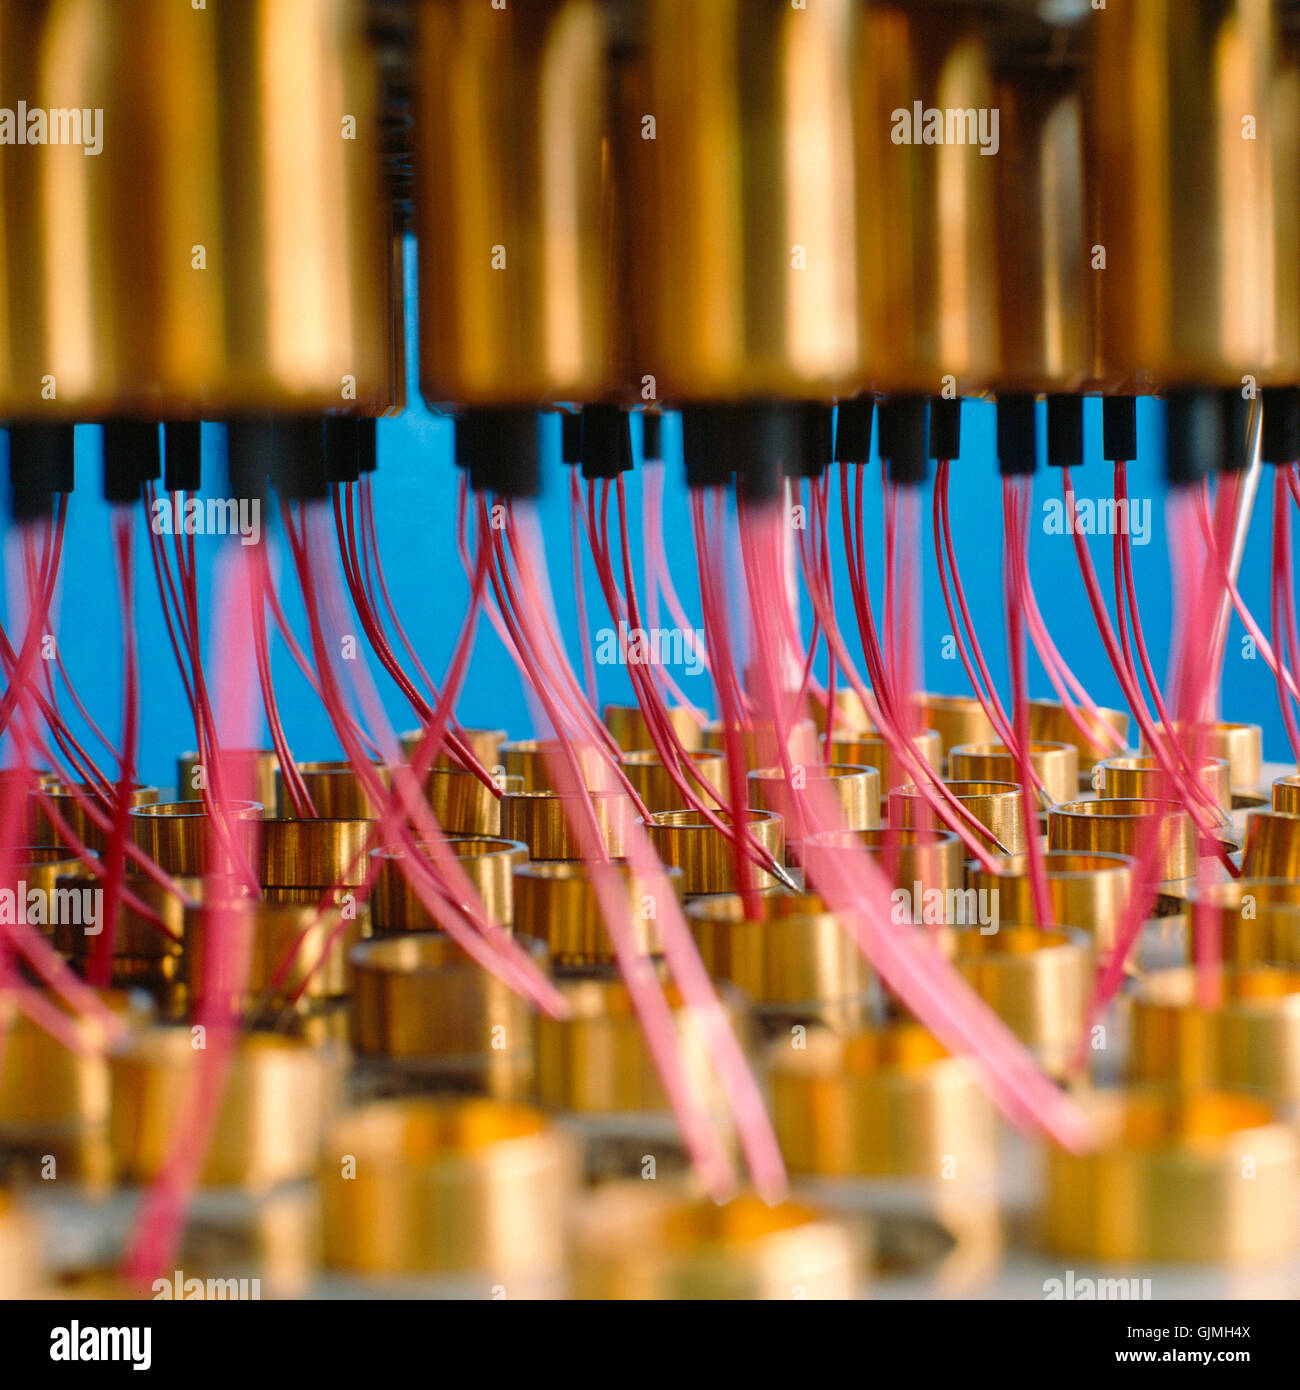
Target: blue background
415,495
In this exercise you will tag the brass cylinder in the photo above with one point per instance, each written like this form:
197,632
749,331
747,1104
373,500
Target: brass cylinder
38,868
651,782
1144,778
180,837
314,853
73,814
749,277
628,727
1057,765
850,715
864,750
706,855
269,1121
541,820
927,213
795,958
489,863
631,1243
1242,745
335,789
514,205
292,953
597,1060
532,759
1036,981
137,942
1272,845
1050,723
1286,795
1256,920
1088,891
1245,1035
419,999
1166,1180
1119,826
761,745
958,719
881,1103
485,744
930,858
1184,188
227,247
556,902
463,805
449,1186
855,791
998,806
251,769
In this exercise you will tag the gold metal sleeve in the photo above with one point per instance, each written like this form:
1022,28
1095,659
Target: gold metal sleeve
1049,722
998,806
73,815
649,778
1057,764
863,750
1145,779
856,791
1242,745
1286,795
314,853
958,719
628,727
931,858
1088,891
335,789
706,855
540,820
1272,845
1118,825
488,862
180,835
256,769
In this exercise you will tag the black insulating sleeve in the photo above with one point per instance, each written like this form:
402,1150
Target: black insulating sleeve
606,441
250,454
298,464
945,427
40,464
853,429
571,436
501,450
342,449
1017,435
1281,424
652,435
367,445
904,438
1064,431
131,456
1235,411
1193,435
815,442
183,456
1119,429
709,462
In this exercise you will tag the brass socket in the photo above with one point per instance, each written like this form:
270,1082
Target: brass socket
1118,825
335,789
488,862
1088,891
270,1118
850,715
541,820
998,806
1245,1036
1241,745
531,759
864,750
485,744
462,805
855,790
179,835
1257,920
932,858
761,745
39,868
44,1084
628,727
253,769
74,816
314,853
1144,778
1165,1182
651,782
957,719
881,1103
632,1243
1049,722
421,998
135,937
1057,764
291,953
597,1060
797,953
556,902
446,1186
1272,845
706,855
1036,981
1286,795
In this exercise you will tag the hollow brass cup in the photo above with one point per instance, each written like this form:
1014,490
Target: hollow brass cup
1057,764
1117,826
488,862
314,853
865,750
1145,779
706,855
253,769
855,791
1240,745
651,782
1088,891
1272,845
998,806
336,791
542,820
628,727
957,719
930,858
74,816
181,838
1049,722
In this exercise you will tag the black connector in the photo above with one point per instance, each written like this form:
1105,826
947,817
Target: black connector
1281,424
298,464
250,455
1235,411
1193,435
40,464
1119,429
1064,431
652,435
814,443
1017,435
342,449
606,441
853,429
706,453
571,436
501,450
367,445
131,456
904,441
945,427
183,456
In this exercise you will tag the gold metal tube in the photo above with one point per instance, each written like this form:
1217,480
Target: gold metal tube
1088,891
335,789
1286,795
1242,745
1144,778
1166,1181
705,855
38,868
855,790
485,744
1049,722
489,863
1244,1035
135,937
314,853
761,745
628,727
556,902
180,837
541,820
1272,845
446,1186
532,759
637,1244
958,719
1256,920
1037,982
863,750
269,1123
462,805
998,806
1118,826
1057,764
930,858
74,816
251,769
650,779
